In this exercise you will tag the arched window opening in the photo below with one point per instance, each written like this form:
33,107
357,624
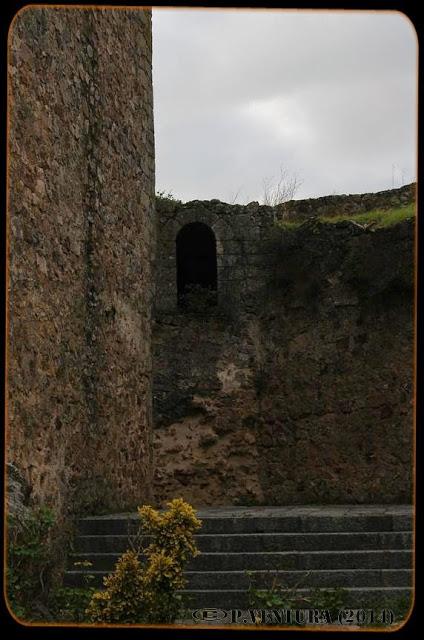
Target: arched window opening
196,265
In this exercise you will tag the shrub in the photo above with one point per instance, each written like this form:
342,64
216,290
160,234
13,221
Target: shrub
166,201
28,561
332,600
166,195
279,596
70,603
146,591
122,600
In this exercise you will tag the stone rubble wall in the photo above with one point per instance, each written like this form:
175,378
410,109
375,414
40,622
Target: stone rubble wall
81,235
346,205
298,387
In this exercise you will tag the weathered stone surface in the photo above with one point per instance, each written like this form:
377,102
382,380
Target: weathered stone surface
297,387
339,205
81,239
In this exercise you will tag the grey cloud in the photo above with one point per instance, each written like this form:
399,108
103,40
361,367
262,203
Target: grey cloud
329,95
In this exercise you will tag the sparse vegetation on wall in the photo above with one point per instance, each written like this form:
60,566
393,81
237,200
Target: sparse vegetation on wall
280,189
376,219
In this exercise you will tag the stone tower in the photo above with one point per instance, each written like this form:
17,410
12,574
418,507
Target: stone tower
81,238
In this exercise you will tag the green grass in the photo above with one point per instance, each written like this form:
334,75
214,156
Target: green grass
381,218
290,225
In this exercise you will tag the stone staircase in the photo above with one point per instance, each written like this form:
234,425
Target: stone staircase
367,550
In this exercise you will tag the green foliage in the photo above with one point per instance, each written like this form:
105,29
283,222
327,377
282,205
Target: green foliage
331,600
166,196
146,591
28,561
279,596
378,218
70,603
274,596
289,225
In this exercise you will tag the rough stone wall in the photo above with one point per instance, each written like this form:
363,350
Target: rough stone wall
81,236
245,237
335,421
297,387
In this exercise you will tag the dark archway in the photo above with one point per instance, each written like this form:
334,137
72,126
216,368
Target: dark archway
196,261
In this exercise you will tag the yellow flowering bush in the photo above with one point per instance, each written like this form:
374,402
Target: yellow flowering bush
120,601
171,531
147,591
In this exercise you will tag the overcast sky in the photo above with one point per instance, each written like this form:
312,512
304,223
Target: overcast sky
330,96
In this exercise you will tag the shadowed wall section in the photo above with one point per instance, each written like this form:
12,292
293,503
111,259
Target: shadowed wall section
297,388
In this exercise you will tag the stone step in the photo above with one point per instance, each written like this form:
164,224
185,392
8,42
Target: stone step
363,549
314,578
268,560
295,523
262,542
362,594
357,597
